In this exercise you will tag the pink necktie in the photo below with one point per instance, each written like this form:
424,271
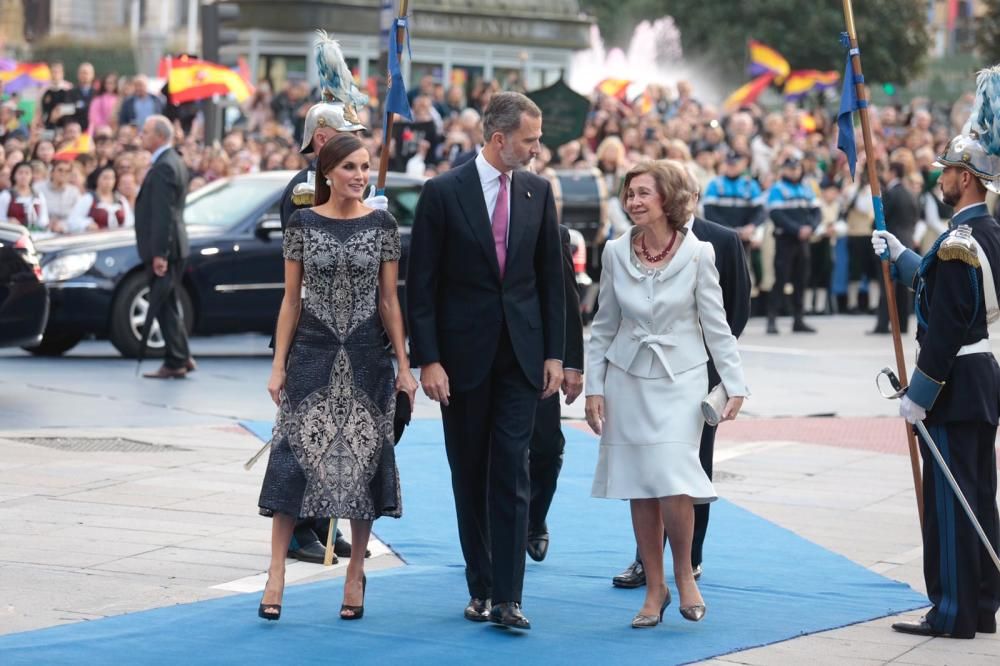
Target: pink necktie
499,220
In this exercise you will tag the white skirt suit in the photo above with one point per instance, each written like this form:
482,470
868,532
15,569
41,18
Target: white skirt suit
647,357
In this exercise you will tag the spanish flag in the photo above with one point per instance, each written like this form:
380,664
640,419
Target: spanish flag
191,79
614,87
764,59
802,82
82,144
749,92
16,76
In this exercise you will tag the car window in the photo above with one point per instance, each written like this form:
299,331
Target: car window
225,203
403,203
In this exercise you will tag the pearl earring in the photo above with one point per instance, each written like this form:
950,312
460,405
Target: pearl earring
328,182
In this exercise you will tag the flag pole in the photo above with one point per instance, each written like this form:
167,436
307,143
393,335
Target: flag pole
383,163
888,287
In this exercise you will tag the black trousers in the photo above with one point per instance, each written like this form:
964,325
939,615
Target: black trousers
546,459
962,582
176,351
791,266
487,432
902,307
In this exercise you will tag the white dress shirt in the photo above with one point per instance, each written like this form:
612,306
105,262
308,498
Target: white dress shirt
489,179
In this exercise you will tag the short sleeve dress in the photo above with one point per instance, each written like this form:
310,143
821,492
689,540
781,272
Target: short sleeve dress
332,445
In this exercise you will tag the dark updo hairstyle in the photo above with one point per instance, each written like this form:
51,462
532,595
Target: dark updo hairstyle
334,151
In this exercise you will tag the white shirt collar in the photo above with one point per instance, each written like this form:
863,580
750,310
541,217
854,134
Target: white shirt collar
487,172
159,151
689,223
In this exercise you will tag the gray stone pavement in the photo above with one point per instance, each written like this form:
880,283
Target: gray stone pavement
89,534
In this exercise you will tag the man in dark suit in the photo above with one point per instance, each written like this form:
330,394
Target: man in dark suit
735,281
902,212
547,439
162,239
486,319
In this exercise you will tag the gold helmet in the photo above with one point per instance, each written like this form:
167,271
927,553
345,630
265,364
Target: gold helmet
334,114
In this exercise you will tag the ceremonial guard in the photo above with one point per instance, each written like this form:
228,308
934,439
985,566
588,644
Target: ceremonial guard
333,114
955,388
794,209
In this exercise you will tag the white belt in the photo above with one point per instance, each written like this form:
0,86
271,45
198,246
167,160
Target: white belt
981,347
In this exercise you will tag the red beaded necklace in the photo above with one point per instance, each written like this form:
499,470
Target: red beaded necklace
653,259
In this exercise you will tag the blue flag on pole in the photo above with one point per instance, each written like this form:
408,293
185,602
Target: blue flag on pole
845,119
395,99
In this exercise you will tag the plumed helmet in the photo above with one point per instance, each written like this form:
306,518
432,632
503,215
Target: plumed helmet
341,96
334,114
977,148
966,151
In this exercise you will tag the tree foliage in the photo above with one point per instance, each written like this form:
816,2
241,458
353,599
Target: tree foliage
988,32
892,33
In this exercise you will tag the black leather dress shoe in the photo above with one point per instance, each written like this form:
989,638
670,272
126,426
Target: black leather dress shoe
633,576
478,610
342,547
309,551
538,545
922,628
802,327
987,624
508,614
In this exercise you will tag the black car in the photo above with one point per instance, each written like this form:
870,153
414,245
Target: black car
233,282
24,300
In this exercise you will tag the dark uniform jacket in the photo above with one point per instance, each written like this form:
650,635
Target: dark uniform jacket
902,212
574,324
734,202
287,207
951,313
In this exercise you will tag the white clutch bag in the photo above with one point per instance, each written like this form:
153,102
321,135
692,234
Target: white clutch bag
714,404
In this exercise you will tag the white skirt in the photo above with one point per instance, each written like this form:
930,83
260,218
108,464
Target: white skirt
652,433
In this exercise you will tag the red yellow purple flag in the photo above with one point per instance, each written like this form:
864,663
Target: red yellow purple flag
764,59
802,82
748,92
24,75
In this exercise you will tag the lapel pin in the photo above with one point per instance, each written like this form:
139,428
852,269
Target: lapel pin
527,194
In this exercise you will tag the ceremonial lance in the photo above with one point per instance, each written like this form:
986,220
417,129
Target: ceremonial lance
855,98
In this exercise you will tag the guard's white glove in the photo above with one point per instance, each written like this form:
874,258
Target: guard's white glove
378,202
883,239
911,411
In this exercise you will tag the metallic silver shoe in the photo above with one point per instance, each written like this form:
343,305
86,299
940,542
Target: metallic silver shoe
694,613
641,621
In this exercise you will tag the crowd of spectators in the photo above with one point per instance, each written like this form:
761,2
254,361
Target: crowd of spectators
43,167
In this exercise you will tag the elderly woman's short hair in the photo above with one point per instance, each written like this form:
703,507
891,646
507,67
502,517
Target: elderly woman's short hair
673,184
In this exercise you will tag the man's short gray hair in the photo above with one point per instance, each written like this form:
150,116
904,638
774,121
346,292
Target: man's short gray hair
503,113
162,127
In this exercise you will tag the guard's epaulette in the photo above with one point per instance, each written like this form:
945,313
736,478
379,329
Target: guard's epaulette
303,194
958,246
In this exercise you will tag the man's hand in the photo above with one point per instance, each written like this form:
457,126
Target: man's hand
553,374
746,232
911,411
572,385
883,241
159,266
805,233
435,382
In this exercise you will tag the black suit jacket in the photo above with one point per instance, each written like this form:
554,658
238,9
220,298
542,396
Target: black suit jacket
159,210
574,323
902,211
457,304
733,274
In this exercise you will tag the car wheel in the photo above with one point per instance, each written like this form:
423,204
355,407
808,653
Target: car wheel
55,344
128,313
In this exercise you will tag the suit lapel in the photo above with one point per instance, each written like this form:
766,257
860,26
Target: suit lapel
519,204
473,204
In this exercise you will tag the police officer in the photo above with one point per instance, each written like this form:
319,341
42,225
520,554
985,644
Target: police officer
734,199
955,391
794,210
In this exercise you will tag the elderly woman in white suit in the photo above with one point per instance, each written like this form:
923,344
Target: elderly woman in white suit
660,307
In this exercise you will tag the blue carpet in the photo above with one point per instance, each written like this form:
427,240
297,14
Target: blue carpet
762,584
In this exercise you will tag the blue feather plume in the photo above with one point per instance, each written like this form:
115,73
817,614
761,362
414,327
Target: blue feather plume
985,116
335,76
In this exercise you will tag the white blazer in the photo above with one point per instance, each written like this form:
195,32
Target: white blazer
654,325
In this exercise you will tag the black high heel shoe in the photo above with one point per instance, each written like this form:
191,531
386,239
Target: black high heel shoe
357,612
269,611
641,621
